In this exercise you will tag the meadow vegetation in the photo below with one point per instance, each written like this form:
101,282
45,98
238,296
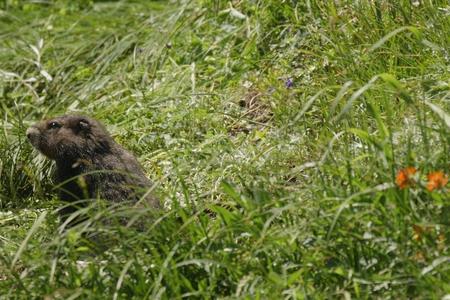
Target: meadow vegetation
300,148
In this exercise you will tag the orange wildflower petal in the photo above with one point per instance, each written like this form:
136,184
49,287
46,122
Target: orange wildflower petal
404,177
436,180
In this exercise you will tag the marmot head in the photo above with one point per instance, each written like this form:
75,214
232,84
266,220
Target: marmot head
70,137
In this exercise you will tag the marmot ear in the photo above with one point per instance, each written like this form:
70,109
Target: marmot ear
84,125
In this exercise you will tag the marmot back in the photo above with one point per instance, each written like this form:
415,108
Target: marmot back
89,163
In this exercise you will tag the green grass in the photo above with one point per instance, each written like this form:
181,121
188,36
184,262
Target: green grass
274,131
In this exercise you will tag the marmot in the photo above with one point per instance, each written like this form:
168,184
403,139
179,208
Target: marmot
89,163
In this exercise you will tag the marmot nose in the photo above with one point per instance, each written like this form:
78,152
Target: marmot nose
32,131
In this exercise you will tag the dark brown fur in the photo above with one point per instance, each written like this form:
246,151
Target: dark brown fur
89,163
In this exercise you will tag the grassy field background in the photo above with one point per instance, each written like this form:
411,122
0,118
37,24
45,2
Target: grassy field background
301,148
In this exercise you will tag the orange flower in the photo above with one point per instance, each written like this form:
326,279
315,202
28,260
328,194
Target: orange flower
436,180
404,177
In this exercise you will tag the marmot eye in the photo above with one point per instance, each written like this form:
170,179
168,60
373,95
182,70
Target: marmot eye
53,125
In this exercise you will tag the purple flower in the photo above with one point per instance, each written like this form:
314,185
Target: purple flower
289,83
